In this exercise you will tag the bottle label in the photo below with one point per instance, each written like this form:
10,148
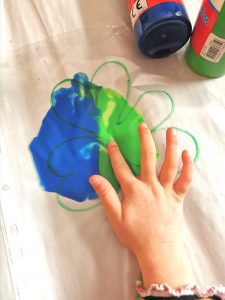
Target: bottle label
203,41
138,7
214,48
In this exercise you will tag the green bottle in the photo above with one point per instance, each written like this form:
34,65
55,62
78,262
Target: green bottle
206,52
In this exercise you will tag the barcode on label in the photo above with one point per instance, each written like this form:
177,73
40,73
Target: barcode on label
214,48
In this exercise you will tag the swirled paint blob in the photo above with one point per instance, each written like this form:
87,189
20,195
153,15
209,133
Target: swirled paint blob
71,144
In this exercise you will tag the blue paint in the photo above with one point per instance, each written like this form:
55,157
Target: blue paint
76,104
162,29
66,150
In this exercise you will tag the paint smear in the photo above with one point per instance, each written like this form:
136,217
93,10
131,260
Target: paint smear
72,141
71,144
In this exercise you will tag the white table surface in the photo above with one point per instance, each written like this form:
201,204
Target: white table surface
53,254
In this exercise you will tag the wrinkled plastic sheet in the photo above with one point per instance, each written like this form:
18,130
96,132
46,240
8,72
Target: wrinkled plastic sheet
55,254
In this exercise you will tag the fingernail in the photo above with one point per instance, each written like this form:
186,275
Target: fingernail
94,180
188,153
174,131
112,143
143,125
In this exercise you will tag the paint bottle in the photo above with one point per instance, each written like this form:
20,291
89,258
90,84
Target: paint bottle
206,52
161,27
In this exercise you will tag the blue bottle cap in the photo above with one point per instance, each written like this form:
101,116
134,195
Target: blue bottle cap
163,29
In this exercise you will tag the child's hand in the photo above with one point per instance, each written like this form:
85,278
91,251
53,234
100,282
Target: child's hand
149,219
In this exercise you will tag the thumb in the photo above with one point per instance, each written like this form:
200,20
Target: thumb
108,197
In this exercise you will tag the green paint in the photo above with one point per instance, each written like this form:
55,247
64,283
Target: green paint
82,209
113,107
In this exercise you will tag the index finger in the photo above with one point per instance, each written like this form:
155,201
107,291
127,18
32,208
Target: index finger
122,171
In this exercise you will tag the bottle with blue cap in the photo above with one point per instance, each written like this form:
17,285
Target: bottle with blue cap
161,27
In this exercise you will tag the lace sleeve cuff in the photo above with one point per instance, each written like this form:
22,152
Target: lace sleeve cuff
164,290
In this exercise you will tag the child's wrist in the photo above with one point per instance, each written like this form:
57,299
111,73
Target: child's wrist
169,265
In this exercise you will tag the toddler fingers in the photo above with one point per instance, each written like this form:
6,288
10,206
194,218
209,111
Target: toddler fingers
183,183
108,197
170,165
